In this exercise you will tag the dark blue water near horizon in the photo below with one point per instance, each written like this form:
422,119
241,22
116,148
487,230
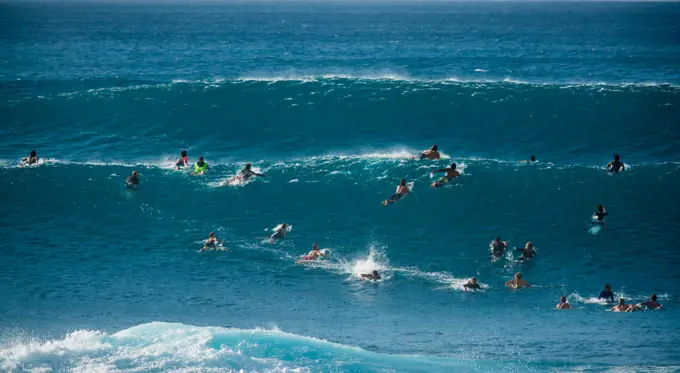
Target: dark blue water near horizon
331,101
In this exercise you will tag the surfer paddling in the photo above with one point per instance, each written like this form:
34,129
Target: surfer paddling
371,276
451,173
211,242
616,165
132,181
314,254
30,160
563,305
517,282
280,232
472,284
402,190
183,160
431,154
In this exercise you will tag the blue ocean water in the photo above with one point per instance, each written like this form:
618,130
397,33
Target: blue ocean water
331,101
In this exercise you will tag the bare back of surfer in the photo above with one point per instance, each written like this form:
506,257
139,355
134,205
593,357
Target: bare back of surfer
431,154
314,254
402,190
451,173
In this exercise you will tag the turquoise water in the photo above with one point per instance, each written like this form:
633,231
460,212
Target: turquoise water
331,101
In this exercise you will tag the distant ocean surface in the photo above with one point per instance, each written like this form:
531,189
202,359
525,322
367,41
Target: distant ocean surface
331,101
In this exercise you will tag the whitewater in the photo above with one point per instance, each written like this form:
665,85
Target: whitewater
332,102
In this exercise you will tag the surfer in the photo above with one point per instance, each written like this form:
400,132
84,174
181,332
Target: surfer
472,284
607,293
451,174
31,159
651,304
133,180
371,276
279,232
314,254
616,165
431,154
211,242
531,160
623,307
563,305
182,161
498,247
402,190
528,252
200,167
517,282
598,216
246,173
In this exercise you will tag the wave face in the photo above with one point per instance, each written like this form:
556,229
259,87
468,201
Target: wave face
331,102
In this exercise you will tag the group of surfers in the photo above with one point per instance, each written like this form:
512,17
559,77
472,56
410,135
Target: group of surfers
200,167
518,282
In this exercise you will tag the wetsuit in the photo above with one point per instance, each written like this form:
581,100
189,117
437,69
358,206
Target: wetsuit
606,294
131,181
497,249
615,166
278,235
246,174
599,216
472,286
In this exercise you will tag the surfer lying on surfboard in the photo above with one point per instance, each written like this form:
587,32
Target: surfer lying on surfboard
598,216
371,276
211,242
30,160
402,190
280,232
451,174
132,181
314,254
431,154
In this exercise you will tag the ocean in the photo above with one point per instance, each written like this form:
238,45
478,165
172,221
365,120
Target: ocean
331,100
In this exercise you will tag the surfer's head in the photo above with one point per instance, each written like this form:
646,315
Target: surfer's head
529,245
402,182
33,154
563,299
616,157
200,159
453,166
183,153
212,234
375,273
498,240
653,297
134,173
473,280
315,246
248,165
518,276
533,158
434,147
621,301
607,287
